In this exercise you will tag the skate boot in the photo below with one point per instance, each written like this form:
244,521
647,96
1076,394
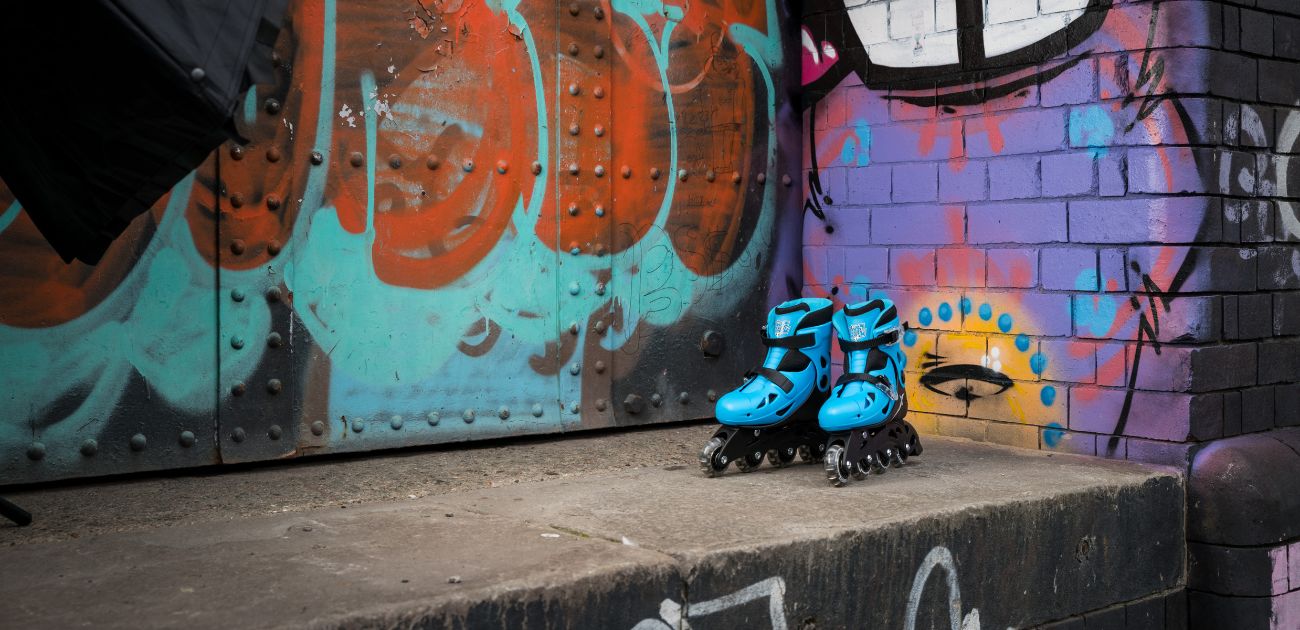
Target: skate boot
864,412
774,413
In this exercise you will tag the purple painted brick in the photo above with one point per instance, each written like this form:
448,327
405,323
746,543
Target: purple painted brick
1069,269
1014,178
1069,174
1188,24
1069,360
903,142
918,225
1037,314
1154,415
1017,223
869,185
868,106
1111,316
1112,175
866,265
815,265
961,267
1114,276
1036,131
916,182
1072,442
1170,170
966,182
1159,220
1112,361
1076,85
834,184
913,267
1012,268
849,226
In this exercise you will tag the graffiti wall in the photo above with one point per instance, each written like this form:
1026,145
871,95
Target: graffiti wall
1087,211
452,220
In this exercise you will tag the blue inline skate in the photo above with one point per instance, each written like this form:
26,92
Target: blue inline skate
864,412
774,413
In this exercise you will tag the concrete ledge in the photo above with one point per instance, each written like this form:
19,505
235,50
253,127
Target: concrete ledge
967,532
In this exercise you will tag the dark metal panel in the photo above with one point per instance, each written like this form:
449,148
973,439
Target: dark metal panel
705,194
107,369
389,260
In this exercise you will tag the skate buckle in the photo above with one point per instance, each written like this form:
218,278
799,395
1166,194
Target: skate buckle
884,386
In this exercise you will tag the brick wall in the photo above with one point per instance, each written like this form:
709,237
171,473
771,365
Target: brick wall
1090,213
1104,213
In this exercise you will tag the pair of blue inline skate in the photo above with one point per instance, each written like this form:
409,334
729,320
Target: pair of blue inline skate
787,407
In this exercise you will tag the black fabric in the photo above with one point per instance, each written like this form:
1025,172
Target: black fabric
865,308
877,360
109,109
889,315
776,377
793,361
805,340
882,340
786,310
817,318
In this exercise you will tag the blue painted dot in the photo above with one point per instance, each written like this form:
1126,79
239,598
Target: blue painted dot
1038,363
909,338
925,316
945,312
986,312
965,306
1022,343
1053,434
1048,395
1004,322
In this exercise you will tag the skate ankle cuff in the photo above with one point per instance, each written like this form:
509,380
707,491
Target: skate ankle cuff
866,344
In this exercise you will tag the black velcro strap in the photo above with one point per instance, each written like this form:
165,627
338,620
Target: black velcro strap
883,340
776,377
794,342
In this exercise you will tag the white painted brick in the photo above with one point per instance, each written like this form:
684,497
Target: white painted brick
910,18
1005,37
1003,11
1058,6
871,21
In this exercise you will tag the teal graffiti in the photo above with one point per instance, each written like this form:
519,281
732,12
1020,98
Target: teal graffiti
1091,127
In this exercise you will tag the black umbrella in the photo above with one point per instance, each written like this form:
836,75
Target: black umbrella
109,103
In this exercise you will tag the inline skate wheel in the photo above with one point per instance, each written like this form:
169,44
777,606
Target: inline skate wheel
837,467
782,457
708,454
750,461
914,446
812,454
805,453
900,456
882,461
861,470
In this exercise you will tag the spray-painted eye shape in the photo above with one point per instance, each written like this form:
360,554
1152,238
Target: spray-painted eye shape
962,381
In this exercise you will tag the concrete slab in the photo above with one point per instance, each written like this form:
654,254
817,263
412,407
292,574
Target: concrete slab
969,533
